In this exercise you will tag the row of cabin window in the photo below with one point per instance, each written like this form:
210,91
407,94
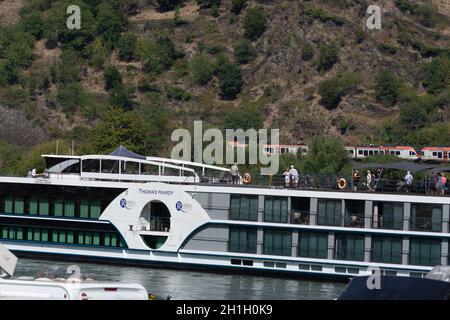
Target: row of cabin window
246,208
126,167
347,247
58,208
329,212
60,236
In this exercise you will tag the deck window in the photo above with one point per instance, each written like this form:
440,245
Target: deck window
130,167
425,217
388,215
277,242
242,240
329,212
276,209
91,165
244,208
9,205
424,252
386,249
354,213
313,245
349,247
110,166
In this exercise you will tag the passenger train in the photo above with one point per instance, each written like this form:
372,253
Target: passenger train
432,154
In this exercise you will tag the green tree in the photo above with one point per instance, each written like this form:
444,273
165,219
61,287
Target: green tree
127,46
437,75
243,118
155,118
329,55
237,6
111,22
255,23
120,96
244,51
334,89
416,112
158,55
326,155
387,88
71,96
98,53
33,24
230,79
118,127
202,69
112,77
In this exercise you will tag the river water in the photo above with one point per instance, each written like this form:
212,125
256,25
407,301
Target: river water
192,285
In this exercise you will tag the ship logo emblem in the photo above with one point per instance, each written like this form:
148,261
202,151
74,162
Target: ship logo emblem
179,206
123,203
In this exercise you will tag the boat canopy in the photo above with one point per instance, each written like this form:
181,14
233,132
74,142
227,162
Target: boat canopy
402,165
121,151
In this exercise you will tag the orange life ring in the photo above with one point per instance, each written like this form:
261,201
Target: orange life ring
342,183
247,178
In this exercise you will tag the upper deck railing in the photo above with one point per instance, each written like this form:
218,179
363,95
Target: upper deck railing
325,182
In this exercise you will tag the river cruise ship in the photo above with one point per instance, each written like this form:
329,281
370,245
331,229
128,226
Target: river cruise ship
130,209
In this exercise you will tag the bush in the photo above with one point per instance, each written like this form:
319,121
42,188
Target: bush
168,5
323,16
334,89
329,55
244,51
243,118
237,6
71,97
427,15
230,79
416,111
437,75
387,87
202,69
307,52
176,93
112,77
208,3
119,96
111,22
255,23
327,155
127,46
159,55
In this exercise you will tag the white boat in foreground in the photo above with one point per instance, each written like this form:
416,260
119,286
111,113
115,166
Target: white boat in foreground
53,286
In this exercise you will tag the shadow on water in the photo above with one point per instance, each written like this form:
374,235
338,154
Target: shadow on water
195,285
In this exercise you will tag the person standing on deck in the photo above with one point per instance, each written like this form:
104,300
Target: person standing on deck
287,178
369,180
234,174
294,176
356,179
409,181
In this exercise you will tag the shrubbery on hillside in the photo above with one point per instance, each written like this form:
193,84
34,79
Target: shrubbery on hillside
255,23
387,88
333,90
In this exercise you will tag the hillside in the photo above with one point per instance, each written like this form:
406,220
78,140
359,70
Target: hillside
307,67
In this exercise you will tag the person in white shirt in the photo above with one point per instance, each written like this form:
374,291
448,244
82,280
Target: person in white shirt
409,180
294,176
234,174
33,173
